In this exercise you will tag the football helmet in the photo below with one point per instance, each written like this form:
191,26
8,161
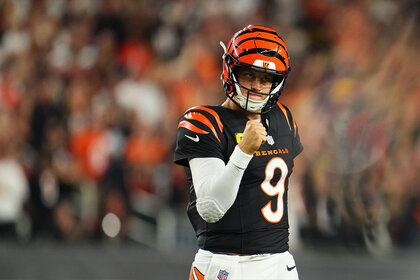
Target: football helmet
259,48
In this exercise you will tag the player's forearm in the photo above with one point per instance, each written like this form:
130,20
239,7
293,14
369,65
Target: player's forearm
216,184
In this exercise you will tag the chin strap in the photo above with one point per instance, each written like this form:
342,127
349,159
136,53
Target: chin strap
264,121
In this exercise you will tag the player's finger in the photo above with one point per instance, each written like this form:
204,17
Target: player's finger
264,139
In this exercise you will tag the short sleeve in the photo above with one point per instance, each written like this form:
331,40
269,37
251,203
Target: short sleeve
199,134
297,146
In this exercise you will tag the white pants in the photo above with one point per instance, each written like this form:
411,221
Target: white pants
210,266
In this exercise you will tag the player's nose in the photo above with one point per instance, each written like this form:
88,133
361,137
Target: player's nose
257,84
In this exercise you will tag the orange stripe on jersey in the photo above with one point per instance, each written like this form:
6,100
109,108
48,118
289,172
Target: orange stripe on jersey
285,113
215,115
191,127
294,124
203,119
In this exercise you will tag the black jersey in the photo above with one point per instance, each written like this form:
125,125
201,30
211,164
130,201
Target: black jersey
257,222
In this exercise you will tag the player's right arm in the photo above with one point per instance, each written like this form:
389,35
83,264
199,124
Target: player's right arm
216,185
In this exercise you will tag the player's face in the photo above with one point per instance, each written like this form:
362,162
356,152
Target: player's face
255,81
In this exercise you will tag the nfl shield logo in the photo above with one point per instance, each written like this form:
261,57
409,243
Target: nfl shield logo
270,139
223,275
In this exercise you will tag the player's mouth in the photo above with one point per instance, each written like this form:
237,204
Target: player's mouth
256,96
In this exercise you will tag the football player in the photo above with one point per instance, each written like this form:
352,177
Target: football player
238,157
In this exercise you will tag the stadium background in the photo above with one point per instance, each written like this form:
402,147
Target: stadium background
90,94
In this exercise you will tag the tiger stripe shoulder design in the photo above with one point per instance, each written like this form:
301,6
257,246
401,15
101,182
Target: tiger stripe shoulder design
200,133
204,117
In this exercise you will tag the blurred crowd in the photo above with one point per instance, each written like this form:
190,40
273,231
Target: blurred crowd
91,91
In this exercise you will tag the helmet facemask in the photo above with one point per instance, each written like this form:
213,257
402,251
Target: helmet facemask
241,93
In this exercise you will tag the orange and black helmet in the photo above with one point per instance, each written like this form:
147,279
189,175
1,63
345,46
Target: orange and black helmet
259,48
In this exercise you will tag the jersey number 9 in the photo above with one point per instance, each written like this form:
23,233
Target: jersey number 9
277,190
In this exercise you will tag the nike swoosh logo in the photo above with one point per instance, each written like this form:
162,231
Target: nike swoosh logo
290,268
195,139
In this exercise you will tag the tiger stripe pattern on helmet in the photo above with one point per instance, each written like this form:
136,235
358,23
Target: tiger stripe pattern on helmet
259,40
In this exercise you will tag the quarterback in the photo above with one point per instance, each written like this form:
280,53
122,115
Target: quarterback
238,157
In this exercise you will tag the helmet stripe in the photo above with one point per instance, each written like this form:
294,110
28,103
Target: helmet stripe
247,33
259,51
238,45
256,30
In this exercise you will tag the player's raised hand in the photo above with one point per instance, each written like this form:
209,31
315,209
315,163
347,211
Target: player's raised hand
254,135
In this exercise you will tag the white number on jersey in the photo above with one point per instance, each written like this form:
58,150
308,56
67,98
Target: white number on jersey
277,190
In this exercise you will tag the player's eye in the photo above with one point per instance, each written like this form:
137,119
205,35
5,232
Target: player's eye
247,75
266,79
